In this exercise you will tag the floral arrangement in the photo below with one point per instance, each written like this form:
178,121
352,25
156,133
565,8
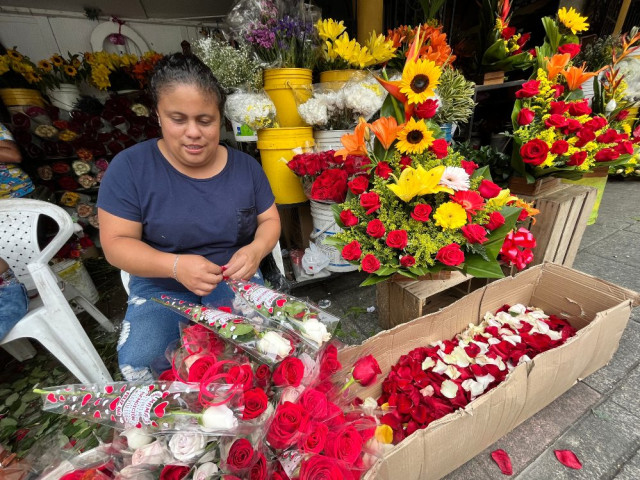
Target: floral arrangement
339,52
340,109
57,69
325,175
142,70
111,71
18,71
452,373
560,35
505,49
233,67
433,41
555,130
253,109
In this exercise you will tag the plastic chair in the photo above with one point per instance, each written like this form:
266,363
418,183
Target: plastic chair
50,318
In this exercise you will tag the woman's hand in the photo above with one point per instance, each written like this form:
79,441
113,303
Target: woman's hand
198,274
244,263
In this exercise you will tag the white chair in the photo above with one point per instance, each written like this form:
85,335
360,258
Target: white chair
50,318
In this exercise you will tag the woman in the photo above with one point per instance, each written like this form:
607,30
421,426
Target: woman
14,182
179,211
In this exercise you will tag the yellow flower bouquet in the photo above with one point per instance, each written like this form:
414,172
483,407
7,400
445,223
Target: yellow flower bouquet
18,71
112,71
57,69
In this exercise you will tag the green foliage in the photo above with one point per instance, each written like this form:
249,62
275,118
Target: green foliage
431,8
456,97
598,54
498,163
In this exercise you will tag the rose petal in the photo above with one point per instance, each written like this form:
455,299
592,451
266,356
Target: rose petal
504,462
568,459
449,389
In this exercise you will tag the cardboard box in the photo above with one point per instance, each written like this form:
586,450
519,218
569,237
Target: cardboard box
598,309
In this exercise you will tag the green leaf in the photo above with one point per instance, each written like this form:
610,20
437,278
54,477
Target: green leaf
8,422
373,279
553,34
419,271
378,149
392,108
478,267
11,399
331,240
517,106
240,329
482,172
496,238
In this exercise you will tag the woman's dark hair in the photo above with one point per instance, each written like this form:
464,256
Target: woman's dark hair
181,69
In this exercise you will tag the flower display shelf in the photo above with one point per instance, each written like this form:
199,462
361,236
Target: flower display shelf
519,185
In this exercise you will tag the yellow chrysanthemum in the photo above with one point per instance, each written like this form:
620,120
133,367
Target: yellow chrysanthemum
415,137
329,29
57,60
450,216
381,49
70,71
419,80
572,20
45,65
14,54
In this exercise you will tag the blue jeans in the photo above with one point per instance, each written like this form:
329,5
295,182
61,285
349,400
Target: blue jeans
14,304
149,327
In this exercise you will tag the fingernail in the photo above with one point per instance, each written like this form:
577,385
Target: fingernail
225,278
223,268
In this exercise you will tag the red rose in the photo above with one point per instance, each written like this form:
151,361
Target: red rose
255,403
314,437
488,189
559,147
421,212
330,185
606,155
288,420
319,467
496,220
345,445
241,455
200,367
558,108
534,151
167,376
289,372
622,114
474,233
370,202
426,109
407,261
370,263
450,255
529,89
596,123
585,136
329,363
263,374
397,239
624,148
383,170
556,121
366,370
579,108
559,90
571,48
356,164
352,251
259,469
174,472
314,403
572,126
610,136
439,147
525,116
468,166
375,228
240,375
348,219
405,162
577,159
359,185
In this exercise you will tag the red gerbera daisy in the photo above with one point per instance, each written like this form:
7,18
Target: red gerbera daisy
470,200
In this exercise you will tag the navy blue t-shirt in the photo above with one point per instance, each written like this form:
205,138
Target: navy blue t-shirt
212,217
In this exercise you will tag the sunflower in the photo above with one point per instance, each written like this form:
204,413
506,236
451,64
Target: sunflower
415,137
45,65
31,78
57,60
419,79
14,54
70,71
572,20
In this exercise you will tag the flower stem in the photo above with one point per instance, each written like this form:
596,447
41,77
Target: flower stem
348,384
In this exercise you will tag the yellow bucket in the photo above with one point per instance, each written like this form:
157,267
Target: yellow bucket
13,97
276,149
337,78
288,87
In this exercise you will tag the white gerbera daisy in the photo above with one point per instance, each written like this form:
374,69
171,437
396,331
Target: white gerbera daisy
455,178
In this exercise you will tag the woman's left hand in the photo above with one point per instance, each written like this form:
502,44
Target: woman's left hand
244,263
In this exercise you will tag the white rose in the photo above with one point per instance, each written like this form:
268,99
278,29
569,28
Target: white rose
272,343
205,471
187,446
316,331
140,110
137,438
219,417
152,454
133,472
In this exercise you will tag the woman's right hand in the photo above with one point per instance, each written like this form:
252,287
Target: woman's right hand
198,274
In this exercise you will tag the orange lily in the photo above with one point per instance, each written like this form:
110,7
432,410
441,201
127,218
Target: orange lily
556,64
576,76
528,207
386,129
354,143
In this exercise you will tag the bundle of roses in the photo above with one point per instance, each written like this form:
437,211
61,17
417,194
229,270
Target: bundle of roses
325,175
555,130
433,381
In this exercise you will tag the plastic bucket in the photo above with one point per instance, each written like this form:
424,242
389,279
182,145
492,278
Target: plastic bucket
288,87
329,139
276,149
337,78
597,179
324,225
75,273
449,129
243,133
16,97
65,96
587,90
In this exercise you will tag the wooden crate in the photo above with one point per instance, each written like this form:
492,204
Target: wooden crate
400,302
561,222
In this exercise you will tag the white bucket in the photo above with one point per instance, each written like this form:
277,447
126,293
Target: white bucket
243,133
65,96
328,139
324,225
75,273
